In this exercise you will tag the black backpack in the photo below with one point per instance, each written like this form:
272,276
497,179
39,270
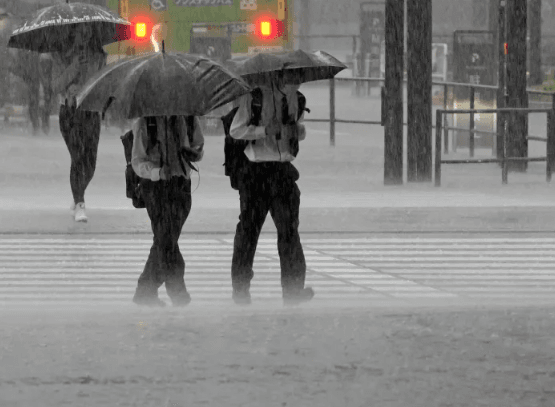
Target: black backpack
235,159
132,180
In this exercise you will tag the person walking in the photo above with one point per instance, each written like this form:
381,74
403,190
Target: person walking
162,153
268,122
80,129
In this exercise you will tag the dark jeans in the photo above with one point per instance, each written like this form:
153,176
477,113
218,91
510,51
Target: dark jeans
81,132
168,204
271,189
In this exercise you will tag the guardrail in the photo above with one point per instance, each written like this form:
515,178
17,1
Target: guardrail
550,153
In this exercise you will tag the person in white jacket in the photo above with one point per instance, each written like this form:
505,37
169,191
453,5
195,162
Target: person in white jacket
267,182
163,150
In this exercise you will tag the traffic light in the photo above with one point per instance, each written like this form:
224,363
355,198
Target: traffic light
269,28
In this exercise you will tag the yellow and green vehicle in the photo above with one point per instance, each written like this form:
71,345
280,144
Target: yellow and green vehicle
217,28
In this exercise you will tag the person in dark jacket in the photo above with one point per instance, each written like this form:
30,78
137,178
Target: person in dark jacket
166,190
267,182
80,129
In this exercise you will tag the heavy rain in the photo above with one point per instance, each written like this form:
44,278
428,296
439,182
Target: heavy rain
277,203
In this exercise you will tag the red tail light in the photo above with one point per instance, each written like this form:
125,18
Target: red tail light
140,30
267,29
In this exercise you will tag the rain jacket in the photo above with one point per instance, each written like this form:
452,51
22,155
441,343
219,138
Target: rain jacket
265,147
147,160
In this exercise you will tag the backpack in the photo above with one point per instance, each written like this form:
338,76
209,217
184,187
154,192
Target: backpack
132,180
235,159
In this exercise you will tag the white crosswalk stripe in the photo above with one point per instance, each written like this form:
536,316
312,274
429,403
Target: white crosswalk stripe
106,270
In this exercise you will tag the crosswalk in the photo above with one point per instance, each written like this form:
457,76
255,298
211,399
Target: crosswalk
92,270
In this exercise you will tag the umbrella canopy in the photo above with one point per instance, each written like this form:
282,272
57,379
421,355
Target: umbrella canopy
50,29
162,84
297,67
256,69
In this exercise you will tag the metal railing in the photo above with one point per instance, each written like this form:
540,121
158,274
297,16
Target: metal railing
504,160
333,119
445,125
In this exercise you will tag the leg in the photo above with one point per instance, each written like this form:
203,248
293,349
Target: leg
33,104
45,74
81,131
284,210
87,135
254,208
152,276
45,114
178,196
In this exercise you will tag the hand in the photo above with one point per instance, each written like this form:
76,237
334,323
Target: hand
165,173
192,154
273,128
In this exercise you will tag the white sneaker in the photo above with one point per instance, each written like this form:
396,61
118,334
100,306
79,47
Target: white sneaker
79,212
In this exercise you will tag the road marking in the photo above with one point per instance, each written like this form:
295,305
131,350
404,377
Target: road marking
93,269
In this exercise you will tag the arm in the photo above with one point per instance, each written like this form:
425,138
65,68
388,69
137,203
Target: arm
64,75
198,139
240,128
142,166
301,130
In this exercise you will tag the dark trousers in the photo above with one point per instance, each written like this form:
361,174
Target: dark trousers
81,132
260,192
168,204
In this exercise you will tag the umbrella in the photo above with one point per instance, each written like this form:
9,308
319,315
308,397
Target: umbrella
302,66
256,69
50,29
297,67
162,84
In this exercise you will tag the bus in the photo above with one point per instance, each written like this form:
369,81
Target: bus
215,28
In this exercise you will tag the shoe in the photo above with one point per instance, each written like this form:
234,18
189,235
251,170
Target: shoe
295,297
79,212
181,300
148,300
241,296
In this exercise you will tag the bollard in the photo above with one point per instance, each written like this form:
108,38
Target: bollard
550,145
332,112
438,149
504,163
384,107
445,123
471,140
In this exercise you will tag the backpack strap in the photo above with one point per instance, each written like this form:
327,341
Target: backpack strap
152,133
190,123
256,107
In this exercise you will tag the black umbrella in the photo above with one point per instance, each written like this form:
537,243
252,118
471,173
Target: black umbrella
302,66
297,67
257,69
162,84
51,28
